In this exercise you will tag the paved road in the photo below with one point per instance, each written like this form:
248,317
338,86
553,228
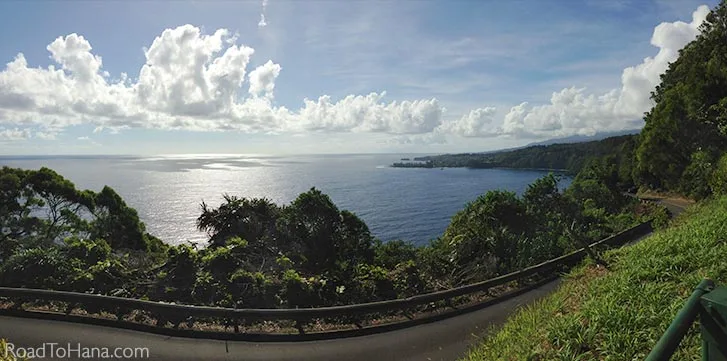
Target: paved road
675,205
444,340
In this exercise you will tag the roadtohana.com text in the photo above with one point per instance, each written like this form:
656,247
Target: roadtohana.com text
54,350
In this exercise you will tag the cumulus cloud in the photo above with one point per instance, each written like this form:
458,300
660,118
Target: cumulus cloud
189,80
574,111
262,79
476,123
369,114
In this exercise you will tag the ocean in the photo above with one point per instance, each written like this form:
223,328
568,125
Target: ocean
412,204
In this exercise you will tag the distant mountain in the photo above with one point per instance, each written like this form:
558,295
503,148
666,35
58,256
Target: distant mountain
585,138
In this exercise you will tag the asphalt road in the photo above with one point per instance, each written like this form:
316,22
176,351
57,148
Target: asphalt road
448,339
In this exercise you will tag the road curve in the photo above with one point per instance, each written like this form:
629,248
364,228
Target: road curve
444,340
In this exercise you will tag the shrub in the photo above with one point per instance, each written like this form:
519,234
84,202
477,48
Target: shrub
50,269
718,181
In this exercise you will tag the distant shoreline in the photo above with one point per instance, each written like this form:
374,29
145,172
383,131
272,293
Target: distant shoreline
498,167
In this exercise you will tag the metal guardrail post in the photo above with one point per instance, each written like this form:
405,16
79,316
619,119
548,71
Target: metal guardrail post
670,340
713,319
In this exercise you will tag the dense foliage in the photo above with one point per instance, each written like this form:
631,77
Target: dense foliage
686,131
306,253
569,157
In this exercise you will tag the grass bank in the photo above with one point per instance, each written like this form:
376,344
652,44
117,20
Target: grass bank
621,313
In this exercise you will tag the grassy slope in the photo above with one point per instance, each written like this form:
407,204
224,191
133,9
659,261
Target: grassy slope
620,314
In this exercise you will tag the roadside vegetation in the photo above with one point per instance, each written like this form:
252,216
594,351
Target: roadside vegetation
620,314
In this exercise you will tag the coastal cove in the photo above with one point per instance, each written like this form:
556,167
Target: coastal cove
409,204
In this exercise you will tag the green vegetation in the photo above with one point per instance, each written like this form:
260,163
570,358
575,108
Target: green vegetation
619,314
304,254
564,157
686,131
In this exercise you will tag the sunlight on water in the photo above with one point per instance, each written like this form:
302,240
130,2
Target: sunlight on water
411,204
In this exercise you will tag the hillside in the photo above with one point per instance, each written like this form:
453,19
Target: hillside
585,138
570,157
619,314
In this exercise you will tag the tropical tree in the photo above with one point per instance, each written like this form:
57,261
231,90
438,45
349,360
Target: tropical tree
686,130
116,222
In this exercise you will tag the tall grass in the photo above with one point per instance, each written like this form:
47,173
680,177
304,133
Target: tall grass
621,313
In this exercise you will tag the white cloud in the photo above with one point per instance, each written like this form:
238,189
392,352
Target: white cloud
45,135
476,123
191,81
262,79
83,138
573,111
262,22
435,137
368,114
14,134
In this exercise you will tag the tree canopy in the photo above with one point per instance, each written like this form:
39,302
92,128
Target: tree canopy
686,130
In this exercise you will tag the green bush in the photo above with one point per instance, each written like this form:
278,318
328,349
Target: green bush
44,268
695,182
392,253
87,251
718,182
662,217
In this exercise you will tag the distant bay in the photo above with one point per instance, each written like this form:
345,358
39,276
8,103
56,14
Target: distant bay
396,203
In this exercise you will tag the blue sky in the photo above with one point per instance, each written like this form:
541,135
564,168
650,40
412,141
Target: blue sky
457,75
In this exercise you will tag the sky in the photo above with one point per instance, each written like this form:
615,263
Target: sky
286,77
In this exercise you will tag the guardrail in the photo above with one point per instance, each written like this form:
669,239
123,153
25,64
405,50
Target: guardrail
176,314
